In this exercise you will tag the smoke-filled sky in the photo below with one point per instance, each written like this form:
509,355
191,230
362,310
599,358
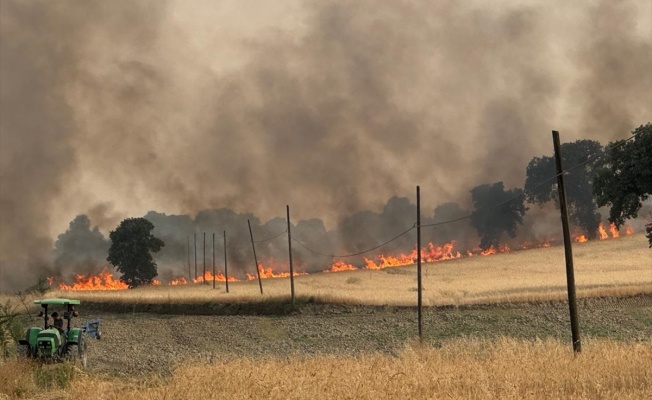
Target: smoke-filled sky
115,108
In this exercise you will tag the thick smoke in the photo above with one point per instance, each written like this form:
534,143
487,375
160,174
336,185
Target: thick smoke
79,249
116,108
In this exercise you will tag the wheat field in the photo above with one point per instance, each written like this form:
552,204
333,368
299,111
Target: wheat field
616,267
460,369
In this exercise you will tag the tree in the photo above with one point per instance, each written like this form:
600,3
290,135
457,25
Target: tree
496,211
131,244
580,161
625,180
459,231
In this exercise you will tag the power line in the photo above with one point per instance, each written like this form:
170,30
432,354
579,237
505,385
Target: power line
482,210
603,152
358,253
271,238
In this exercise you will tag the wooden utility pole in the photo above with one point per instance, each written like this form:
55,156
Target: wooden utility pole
226,270
253,246
419,281
570,274
203,277
290,254
189,272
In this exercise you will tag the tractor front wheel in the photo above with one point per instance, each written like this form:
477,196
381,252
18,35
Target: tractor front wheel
78,352
24,351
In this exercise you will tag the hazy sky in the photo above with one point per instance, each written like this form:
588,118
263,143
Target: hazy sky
115,108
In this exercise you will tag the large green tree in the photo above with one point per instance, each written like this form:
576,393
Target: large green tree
496,211
131,244
625,180
580,161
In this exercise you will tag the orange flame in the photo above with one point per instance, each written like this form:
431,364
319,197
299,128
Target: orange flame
431,253
494,250
614,231
178,281
208,277
268,272
340,266
103,281
388,261
603,234
434,253
580,238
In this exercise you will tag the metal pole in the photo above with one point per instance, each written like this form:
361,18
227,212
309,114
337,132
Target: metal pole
570,275
213,260
203,277
195,246
260,282
290,253
419,281
226,270
189,272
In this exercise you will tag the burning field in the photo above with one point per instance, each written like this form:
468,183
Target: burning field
430,253
604,267
357,321
206,118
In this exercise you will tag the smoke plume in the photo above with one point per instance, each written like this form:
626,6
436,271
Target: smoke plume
116,108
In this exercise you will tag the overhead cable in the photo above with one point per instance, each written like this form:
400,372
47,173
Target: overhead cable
358,253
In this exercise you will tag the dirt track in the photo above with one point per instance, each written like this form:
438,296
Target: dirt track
138,343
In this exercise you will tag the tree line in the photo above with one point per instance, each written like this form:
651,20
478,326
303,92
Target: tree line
618,176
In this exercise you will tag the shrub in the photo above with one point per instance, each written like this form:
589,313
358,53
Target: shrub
10,328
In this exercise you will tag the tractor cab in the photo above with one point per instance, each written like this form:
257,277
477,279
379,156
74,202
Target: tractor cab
58,340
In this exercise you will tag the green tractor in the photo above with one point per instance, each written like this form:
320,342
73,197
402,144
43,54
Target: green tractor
55,342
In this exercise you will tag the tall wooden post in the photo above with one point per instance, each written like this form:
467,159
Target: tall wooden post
213,260
189,272
226,269
253,246
419,280
203,277
195,246
290,256
570,275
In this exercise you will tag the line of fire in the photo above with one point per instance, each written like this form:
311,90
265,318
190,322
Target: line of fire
430,253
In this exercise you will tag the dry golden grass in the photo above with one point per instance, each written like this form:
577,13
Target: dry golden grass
461,369
617,267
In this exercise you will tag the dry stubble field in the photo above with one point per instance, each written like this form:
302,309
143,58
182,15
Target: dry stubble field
356,337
